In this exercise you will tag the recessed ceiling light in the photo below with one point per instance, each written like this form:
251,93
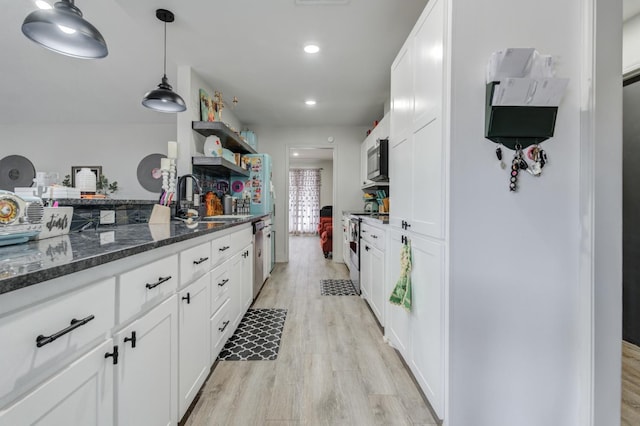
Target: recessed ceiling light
43,5
311,48
310,102
295,154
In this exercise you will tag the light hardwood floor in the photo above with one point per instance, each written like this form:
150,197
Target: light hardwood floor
630,385
333,367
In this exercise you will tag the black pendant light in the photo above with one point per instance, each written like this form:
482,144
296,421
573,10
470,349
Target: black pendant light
64,30
164,99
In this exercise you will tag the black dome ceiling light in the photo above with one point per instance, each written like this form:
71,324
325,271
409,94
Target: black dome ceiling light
64,30
163,98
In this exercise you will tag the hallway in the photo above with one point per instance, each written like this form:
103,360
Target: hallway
333,367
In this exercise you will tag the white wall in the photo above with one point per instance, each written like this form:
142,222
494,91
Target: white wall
516,295
276,142
631,45
118,148
326,176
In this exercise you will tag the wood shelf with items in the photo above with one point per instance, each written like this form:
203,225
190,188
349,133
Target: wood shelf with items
229,139
218,166
376,186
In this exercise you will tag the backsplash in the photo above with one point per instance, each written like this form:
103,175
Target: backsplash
86,213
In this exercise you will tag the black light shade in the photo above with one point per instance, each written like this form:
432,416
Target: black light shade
164,99
64,30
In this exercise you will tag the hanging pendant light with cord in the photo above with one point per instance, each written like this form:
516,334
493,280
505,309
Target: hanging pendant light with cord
164,99
64,30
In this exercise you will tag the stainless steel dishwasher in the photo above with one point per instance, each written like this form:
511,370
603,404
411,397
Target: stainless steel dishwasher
258,252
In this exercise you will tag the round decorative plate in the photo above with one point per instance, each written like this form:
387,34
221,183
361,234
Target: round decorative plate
16,171
149,174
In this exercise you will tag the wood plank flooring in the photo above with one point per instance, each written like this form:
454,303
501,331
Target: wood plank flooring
333,367
630,409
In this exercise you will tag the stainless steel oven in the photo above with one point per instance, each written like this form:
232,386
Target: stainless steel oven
354,251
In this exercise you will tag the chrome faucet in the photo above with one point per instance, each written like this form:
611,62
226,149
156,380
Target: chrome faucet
180,194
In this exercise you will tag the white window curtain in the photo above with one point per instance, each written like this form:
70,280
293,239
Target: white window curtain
304,201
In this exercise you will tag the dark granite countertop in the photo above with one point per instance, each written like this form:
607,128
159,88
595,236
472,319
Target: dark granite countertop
77,202
23,265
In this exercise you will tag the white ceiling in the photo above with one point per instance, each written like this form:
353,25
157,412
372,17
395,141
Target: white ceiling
251,49
311,154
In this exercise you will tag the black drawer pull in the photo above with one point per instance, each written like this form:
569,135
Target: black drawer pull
367,248
226,280
187,298
199,261
160,281
131,339
43,340
374,236
226,323
113,355
224,248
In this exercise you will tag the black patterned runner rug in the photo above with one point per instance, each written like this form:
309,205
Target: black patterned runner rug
257,337
337,288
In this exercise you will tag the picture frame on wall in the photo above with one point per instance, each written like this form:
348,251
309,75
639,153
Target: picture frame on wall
96,170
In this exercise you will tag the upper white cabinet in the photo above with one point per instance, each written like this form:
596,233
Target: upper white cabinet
417,173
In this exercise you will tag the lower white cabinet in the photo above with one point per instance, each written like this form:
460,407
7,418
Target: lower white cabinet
193,340
398,320
365,271
246,281
377,292
235,292
81,394
220,329
146,374
372,269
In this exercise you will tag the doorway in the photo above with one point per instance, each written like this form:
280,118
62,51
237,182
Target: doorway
308,162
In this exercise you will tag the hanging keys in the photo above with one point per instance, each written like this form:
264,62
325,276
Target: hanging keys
499,155
515,168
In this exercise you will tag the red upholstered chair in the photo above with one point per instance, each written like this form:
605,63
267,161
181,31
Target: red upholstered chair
324,221
326,239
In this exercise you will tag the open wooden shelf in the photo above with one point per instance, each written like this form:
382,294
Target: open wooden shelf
229,139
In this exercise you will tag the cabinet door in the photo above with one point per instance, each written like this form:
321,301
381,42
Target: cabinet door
401,185
363,164
266,266
427,207
427,319
246,289
377,270
365,270
81,394
398,320
402,93
235,291
146,375
193,340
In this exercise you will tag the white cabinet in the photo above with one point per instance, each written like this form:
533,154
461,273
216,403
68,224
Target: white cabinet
236,264
417,155
146,374
220,327
365,271
193,340
345,241
246,280
373,269
266,255
196,261
378,295
398,320
81,394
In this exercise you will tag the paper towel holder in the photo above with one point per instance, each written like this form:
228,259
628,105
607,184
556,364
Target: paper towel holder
511,125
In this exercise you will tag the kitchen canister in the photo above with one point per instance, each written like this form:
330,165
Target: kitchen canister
86,180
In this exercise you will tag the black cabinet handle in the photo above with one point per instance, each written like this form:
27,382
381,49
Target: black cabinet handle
113,355
131,339
269,236
199,261
187,298
157,283
44,340
226,280
407,225
223,248
226,323
375,236
367,248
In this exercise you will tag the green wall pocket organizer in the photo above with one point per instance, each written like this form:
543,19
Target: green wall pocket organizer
517,125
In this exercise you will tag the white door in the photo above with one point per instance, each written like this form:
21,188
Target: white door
146,375
427,319
81,394
398,320
193,340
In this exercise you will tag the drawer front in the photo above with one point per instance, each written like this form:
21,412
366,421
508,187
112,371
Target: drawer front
221,249
242,238
146,286
374,236
221,326
194,262
221,281
49,324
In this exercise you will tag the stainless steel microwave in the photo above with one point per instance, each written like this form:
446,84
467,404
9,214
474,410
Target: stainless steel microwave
378,161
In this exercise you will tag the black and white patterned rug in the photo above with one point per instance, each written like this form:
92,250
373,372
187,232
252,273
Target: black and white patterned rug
257,337
337,288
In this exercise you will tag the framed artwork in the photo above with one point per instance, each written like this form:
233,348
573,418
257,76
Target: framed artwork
96,170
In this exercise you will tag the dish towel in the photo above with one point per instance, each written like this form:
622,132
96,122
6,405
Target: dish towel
401,294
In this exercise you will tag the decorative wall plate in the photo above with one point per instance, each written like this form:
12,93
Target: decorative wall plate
149,174
16,171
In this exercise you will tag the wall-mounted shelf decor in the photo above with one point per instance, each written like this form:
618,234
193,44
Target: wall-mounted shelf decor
229,139
218,166
512,125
